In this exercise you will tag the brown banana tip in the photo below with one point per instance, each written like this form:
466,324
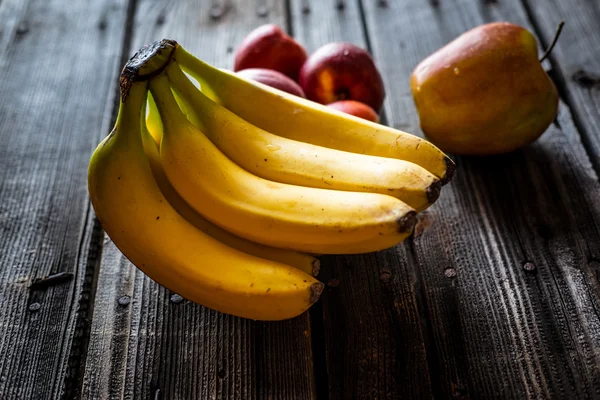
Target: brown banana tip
316,267
433,191
450,169
407,222
315,291
146,63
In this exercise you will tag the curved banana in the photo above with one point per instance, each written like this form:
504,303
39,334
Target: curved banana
169,249
303,262
297,163
303,120
286,216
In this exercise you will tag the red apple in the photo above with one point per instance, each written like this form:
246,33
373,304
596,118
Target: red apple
355,108
342,71
272,78
269,47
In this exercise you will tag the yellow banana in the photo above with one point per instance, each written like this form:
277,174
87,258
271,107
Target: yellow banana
288,161
304,262
293,217
293,117
160,242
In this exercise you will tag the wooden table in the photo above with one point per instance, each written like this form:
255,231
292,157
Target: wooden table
496,296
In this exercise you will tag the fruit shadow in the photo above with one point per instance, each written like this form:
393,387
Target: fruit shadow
367,313
540,207
544,191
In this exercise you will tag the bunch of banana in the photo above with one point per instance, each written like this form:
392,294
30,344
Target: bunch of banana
222,201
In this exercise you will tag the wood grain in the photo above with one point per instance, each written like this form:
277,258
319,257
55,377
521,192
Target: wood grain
375,345
55,69
506,255
147,343
497,296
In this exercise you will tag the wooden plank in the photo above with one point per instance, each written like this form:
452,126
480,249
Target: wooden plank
373,335
55,65
147,343
507,255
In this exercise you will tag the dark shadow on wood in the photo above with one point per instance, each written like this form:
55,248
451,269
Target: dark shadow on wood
432,353
319,351
373,333
85,313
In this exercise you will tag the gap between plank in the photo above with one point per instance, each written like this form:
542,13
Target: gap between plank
85,313
79,346
363,22
289,26
125,50
431,351
319,351
561,85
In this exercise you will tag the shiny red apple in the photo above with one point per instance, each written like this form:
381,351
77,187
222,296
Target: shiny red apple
355,108
268,46
342,71
272,78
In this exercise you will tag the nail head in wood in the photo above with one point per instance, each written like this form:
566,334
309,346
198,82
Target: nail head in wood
124,301
586,79
450,273
385,275
529,266
23,28
216,12
262,11
175,298
333,282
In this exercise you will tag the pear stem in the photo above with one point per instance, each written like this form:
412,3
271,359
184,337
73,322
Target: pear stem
554,40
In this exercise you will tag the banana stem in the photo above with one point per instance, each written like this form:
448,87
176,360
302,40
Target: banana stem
129,117
200,70
196,100
187,95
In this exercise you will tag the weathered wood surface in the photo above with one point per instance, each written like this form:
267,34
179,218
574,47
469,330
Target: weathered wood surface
506,257
56,67
497,296
375,346
147,344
